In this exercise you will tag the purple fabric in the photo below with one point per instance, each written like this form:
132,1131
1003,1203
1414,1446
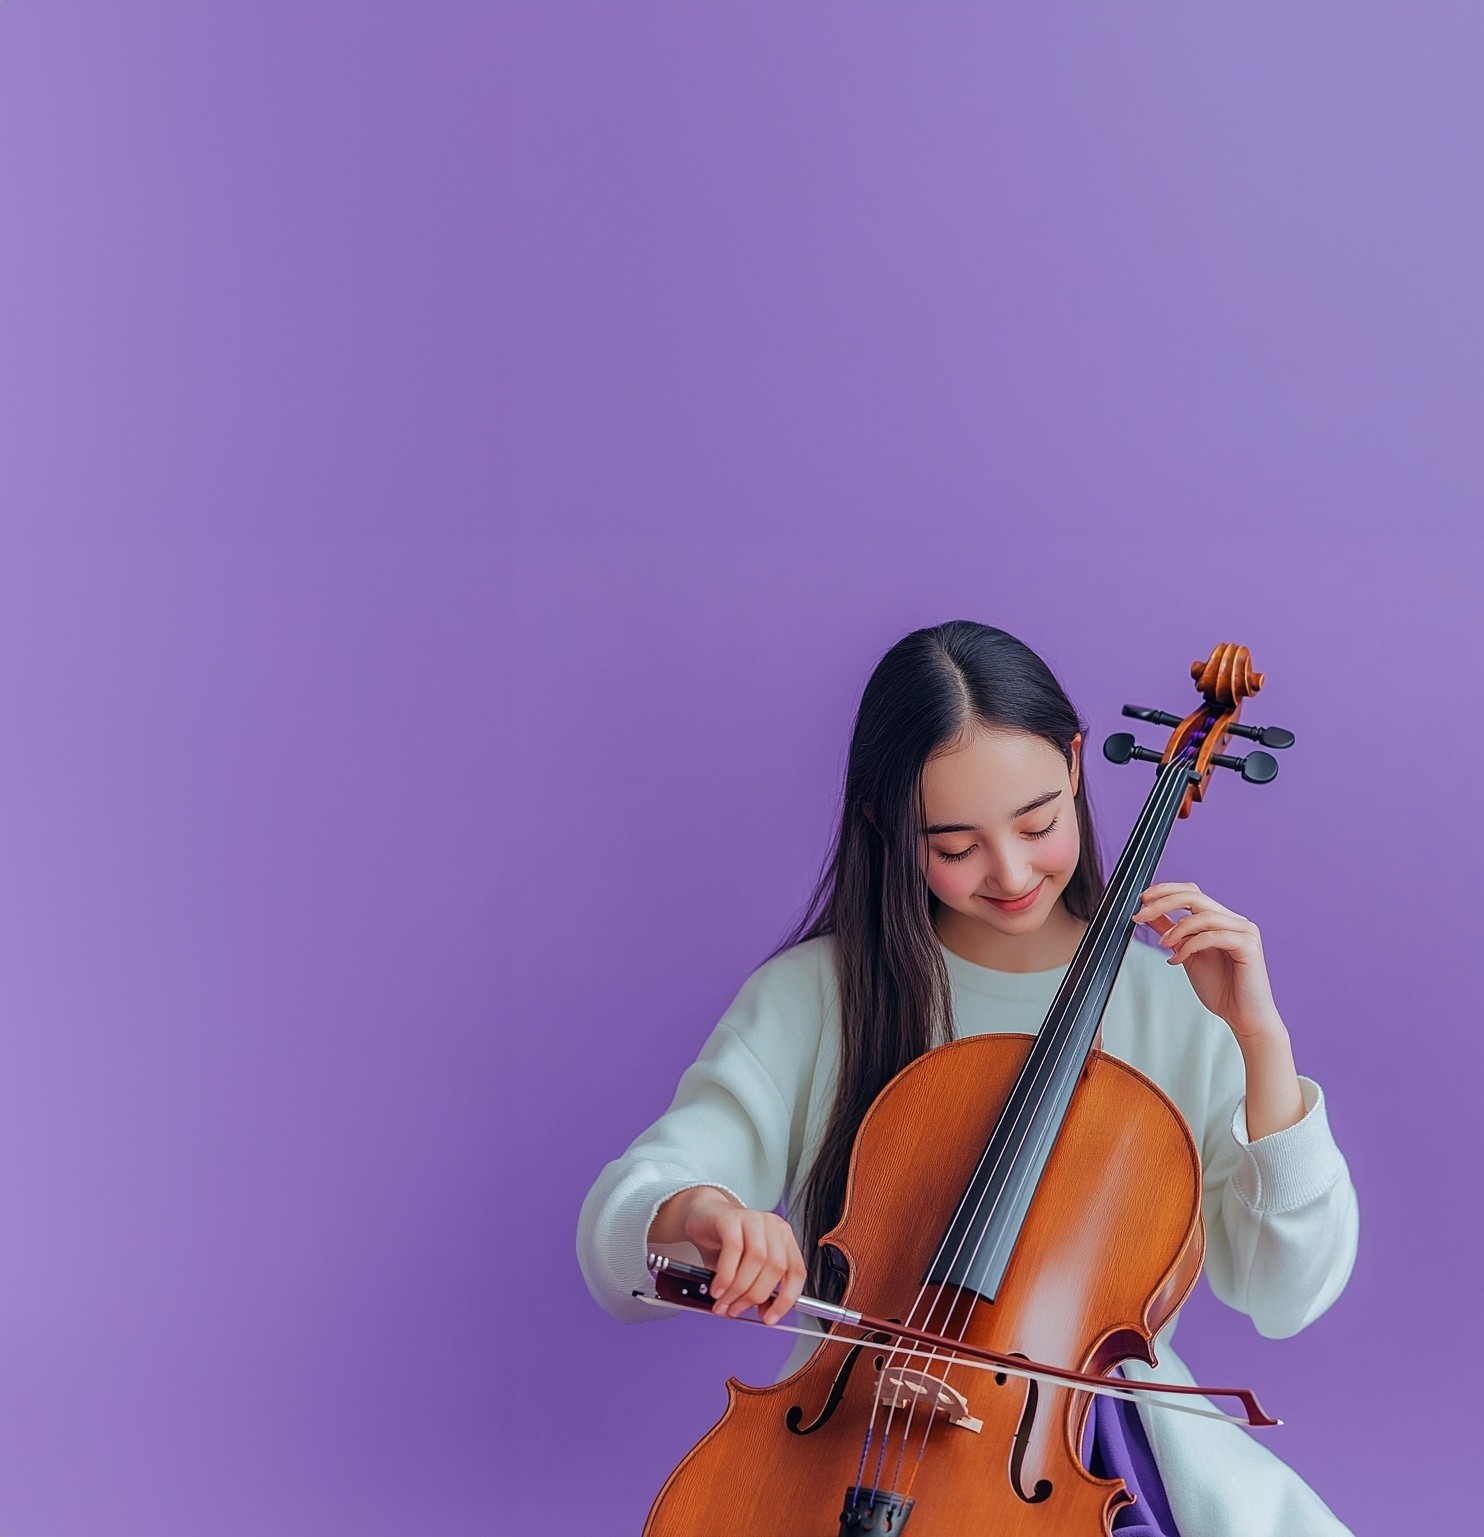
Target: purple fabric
1115,1446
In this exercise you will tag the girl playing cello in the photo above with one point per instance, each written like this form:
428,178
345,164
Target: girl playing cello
966,750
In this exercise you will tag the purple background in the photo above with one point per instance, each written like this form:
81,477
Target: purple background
459,467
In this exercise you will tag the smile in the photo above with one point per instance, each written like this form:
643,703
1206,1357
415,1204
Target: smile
1018,904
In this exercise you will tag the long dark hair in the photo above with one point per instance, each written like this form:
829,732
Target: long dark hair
934,687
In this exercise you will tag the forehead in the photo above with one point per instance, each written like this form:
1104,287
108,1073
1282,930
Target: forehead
991,774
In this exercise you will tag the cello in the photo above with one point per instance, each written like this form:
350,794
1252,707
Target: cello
1021,1214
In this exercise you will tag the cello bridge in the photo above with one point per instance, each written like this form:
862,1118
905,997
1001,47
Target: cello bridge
908,1389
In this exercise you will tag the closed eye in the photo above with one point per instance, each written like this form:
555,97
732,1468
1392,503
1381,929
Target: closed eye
1038,832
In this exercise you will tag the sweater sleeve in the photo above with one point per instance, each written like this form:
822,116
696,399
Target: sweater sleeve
1282,1220
736,1121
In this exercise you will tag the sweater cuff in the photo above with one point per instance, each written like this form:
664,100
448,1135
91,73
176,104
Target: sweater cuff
695,1184
614,1249
1289,1168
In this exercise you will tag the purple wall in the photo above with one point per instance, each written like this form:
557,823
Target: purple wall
459,466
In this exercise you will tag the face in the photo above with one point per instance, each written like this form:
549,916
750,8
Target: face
1001,838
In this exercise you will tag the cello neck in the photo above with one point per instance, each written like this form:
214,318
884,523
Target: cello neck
1077,1009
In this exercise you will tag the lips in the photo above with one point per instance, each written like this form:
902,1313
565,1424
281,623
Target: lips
1018,904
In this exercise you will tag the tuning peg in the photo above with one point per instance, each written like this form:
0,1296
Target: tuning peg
1257,767
1154,717
1122,746
1269,736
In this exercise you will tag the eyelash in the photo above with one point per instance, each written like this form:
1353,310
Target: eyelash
1040,832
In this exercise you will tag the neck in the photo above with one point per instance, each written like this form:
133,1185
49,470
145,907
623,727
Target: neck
1052,945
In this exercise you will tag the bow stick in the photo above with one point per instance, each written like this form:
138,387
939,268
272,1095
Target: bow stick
688,1287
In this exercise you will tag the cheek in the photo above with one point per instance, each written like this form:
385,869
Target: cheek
1061,850
951,883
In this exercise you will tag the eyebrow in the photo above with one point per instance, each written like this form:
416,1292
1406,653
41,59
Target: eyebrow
967,827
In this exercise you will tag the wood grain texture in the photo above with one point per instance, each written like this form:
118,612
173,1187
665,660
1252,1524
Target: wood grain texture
1111,1245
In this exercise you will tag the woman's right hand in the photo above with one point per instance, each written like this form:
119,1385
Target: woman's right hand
753,1253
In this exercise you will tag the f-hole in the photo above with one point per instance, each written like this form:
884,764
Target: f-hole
1042,1491
795,1415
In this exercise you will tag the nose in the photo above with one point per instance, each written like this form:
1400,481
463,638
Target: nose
1009,873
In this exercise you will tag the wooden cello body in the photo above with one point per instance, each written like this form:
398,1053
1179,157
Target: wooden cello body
1028,1195
752,1474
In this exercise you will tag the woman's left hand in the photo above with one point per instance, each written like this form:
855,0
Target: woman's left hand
1221,952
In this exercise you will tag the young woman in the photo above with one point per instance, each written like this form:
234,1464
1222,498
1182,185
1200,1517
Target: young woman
964,873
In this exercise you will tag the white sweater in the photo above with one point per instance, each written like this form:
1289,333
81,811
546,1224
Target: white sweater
1280,1212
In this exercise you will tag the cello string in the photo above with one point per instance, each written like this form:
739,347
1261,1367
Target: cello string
1052,1063
1139,845
1151,815
1043,1082
1139,849
1063,1046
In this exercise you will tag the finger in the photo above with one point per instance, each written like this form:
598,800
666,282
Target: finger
1156,900
1201,923
729,1230
754,1257
735,1300
1180,906
1215,939
759,1288
1171,893
772,1274
792,1286
1161,923
1173,901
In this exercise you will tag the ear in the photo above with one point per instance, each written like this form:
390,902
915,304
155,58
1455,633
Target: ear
868,811
1076,771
